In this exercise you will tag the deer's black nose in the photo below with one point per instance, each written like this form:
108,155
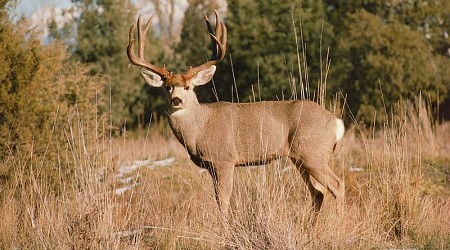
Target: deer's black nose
176,101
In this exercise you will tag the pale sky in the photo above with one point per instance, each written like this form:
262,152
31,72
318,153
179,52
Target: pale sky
40,12
28,7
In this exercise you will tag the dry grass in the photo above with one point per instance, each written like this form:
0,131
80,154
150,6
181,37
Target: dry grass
399,199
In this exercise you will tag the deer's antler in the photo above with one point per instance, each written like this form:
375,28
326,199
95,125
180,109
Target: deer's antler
139,60
218,46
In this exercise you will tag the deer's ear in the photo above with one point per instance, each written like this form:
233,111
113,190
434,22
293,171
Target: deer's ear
151,78
204,76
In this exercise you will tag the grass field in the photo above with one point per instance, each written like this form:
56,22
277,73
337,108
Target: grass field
142,192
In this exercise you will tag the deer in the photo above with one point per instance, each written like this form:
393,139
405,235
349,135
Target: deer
221,136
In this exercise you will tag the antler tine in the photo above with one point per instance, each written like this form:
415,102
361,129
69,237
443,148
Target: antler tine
210,30
218,46
140,36
218,41
139,60
142,33
223,41
219,24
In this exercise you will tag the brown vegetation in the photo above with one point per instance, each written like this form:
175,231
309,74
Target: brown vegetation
399,199
67,183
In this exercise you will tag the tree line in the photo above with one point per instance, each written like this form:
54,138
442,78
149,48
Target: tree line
369,53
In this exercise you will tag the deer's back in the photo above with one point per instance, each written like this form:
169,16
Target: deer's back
256,132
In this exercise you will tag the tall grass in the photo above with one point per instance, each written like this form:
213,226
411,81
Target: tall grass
388,203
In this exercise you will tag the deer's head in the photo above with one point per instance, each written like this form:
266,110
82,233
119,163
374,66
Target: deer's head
179,88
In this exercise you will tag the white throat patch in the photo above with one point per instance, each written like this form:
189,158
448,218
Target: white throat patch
178,112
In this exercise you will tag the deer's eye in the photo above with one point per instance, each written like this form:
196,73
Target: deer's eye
186,87
168,87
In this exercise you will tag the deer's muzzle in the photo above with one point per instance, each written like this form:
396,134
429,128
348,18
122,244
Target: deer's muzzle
176,101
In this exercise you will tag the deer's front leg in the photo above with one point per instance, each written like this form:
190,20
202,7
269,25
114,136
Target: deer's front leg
222,176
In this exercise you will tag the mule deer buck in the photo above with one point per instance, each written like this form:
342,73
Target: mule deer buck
221,136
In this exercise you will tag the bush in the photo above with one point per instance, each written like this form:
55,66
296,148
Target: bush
41,92
386,61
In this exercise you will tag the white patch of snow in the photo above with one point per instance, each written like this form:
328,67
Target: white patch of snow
129,179
356,169
129,169
162,163
122,190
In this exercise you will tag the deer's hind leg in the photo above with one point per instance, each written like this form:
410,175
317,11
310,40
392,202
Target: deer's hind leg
323,178
316,190
317,167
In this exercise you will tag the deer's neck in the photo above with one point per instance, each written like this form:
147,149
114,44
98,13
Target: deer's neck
186,124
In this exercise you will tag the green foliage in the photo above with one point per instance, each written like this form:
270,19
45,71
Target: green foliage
4,5
381,51
41,92
395,47
194,47
102,37
262,39
429,17
385,53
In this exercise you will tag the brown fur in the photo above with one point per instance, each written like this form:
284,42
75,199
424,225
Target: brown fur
222,135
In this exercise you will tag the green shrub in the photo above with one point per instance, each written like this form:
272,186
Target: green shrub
44,97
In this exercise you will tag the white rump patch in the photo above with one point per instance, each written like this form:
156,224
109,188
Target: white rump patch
340,129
